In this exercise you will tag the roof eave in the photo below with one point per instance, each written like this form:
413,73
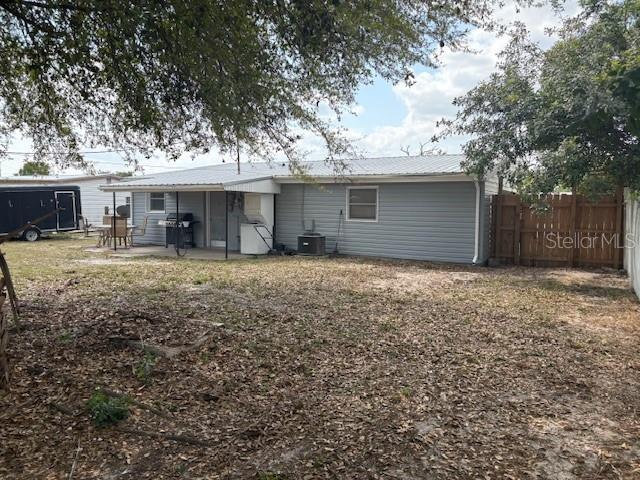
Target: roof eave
400,178
405,178
124,187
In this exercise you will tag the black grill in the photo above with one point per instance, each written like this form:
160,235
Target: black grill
171,225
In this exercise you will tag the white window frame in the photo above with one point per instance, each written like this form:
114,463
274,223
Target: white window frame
148,203
362,187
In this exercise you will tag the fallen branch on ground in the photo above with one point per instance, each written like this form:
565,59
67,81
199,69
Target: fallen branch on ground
75,462
144,433
162,351
63,409
165,436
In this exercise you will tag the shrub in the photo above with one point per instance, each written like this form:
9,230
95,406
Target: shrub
144,368
65,337
106,410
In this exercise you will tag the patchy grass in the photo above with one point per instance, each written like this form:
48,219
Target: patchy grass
324,368
143,369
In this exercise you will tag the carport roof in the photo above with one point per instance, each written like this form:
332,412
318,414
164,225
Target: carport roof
219,176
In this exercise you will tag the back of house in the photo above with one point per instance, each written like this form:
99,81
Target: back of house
424,208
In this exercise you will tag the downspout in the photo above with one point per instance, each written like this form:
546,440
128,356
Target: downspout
476,252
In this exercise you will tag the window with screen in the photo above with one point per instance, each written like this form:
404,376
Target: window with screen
362,204
156,202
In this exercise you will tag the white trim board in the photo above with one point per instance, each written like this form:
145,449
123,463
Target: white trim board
354,179
362,187
381,179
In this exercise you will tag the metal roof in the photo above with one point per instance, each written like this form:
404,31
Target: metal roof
227,173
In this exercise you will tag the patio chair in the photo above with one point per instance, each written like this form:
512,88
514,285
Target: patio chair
85,225
138,231
104,236
121,232
118,233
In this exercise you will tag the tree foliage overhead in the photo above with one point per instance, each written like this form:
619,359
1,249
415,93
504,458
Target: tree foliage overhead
565,117
34,167
191,75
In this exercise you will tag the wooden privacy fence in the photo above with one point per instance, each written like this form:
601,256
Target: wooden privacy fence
572,231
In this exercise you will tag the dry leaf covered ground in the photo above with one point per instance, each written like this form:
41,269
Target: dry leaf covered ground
323,368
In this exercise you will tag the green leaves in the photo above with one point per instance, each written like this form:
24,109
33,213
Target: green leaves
566,117
184,76
106,410
34,168
497,113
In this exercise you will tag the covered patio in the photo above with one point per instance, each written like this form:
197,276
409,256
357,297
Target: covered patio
219,217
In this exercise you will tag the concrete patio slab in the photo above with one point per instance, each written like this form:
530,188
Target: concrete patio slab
160,251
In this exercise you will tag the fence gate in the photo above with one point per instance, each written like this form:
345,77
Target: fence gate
573,231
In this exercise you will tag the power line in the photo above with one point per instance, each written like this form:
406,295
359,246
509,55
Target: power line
64,153
89,152
140,164
123,164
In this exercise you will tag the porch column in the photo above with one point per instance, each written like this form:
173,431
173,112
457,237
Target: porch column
207,222
113,225
176,236
273,232
226,225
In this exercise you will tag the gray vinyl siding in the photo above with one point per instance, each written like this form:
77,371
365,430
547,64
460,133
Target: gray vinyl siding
425,221
94,200
191,202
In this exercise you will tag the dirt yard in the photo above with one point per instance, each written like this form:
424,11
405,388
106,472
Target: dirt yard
305,368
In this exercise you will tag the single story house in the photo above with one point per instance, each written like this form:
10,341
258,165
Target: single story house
93,200
421,207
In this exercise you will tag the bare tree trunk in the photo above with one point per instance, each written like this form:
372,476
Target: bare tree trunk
4,337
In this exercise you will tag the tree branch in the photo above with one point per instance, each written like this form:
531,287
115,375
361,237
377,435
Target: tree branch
55,6
28,21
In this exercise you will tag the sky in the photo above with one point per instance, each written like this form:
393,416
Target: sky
386,118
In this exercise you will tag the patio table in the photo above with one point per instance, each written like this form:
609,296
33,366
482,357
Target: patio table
105,236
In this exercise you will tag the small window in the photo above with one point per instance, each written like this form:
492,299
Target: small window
156,202
362,204
127,200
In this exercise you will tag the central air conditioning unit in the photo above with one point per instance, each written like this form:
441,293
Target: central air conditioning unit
311,244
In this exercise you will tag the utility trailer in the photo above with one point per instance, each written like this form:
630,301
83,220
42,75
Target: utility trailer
21,205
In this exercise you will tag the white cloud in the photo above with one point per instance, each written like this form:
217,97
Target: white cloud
431,97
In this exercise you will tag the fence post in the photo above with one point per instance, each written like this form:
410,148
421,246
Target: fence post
516,232
572,227
497,224
619,210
